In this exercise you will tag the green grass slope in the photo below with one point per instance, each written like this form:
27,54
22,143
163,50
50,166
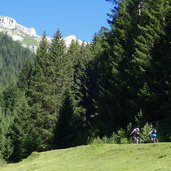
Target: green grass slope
100,157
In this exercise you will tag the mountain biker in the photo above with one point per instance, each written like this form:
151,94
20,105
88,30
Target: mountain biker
136,135
153,135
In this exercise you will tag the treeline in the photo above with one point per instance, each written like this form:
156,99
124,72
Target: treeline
68,96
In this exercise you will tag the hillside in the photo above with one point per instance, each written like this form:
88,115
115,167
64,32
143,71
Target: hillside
100,157
12,58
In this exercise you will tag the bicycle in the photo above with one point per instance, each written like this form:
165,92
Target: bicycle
136,139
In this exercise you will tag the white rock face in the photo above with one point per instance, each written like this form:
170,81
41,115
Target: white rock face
7,22
10,23
68,40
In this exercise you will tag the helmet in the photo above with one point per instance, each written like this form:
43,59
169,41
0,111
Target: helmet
137,129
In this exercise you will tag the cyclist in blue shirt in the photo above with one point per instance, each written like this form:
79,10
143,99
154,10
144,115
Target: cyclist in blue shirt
153,135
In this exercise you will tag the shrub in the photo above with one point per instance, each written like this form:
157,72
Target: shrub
120,137
145,131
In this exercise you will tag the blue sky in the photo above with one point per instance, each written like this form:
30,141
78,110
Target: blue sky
81,18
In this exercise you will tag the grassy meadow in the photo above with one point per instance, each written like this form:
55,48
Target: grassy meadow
99,157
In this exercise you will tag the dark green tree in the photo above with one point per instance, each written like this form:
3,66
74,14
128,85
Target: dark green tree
160,82
6,145
150,29
65,128
16,118
114,106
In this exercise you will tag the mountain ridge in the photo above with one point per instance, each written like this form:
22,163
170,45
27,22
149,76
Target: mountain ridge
27,36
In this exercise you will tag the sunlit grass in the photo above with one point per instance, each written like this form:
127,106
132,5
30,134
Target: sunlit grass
29,41
99,157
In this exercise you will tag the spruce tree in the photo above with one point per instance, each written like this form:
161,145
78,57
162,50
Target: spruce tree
150,29
57,55
159,103
41,101
114,106
17,119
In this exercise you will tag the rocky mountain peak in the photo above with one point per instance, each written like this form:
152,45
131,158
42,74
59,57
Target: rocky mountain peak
10,23
27,36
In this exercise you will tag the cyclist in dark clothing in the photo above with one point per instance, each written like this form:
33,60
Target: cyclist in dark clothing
136,135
